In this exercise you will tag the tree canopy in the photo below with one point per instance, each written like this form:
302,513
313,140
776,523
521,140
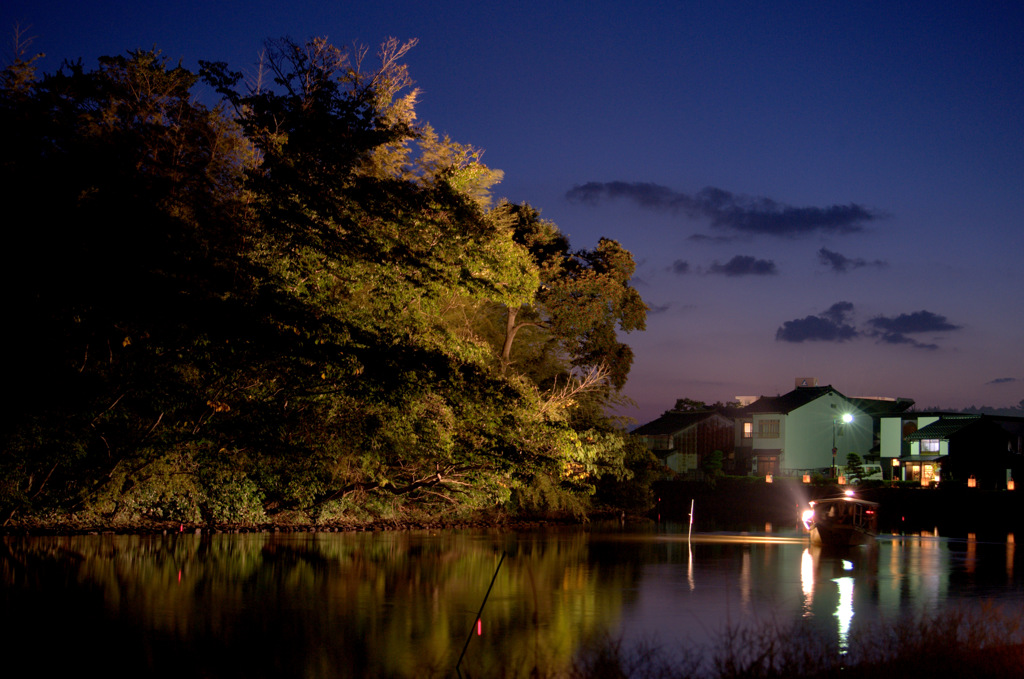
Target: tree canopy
296,302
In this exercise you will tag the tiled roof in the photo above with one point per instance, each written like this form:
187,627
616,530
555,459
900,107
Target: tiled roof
787,403
672,422
944,428
879,407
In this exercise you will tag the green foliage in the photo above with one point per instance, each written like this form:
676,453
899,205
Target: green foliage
854,467
584,299
294,309
711,465
631,492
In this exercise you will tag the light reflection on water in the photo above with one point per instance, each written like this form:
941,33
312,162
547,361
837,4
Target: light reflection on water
391,604
737,579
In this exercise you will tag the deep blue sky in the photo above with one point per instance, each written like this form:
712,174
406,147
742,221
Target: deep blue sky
809,190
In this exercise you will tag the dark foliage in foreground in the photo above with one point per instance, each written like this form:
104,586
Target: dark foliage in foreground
987,642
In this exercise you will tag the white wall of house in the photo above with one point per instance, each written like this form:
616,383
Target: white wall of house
915,446
809,434
891,434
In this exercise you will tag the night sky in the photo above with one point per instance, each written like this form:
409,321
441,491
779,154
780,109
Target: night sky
808,189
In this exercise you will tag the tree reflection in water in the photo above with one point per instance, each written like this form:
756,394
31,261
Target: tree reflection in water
401,604
384,604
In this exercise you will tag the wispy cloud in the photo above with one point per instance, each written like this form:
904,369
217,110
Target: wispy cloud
900,338
680,267
836,325
841,264
724,209
829,326
1003,380
704,238
744,265
840,312
895,330
919,321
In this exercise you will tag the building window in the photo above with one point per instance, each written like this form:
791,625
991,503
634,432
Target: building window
748,430
930,446
768,429
923,473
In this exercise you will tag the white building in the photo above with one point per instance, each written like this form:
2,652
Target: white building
809,428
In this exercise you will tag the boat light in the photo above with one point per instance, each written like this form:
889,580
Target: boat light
807,518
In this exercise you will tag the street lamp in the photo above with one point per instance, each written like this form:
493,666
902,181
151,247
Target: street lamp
847,418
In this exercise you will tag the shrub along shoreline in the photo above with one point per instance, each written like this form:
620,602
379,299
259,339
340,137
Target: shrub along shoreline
984,642
732,503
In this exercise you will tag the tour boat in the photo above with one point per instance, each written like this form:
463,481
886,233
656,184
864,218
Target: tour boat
842,521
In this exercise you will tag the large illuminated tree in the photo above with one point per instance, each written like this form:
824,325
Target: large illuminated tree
584,299
231,313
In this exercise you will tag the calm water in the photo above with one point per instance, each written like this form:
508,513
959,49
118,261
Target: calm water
403,604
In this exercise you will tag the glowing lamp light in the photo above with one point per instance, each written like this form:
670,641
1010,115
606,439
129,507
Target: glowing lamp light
768,478
1010,485
842,480
972,482
808,518
847,418
807,478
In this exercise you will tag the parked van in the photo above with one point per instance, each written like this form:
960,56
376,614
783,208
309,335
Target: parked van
870,471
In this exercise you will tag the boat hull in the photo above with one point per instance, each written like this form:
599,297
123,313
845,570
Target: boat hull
841,522
839,536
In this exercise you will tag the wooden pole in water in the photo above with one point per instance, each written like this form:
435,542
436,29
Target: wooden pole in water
690,533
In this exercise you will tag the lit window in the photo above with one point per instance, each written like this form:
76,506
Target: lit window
930,445
748,430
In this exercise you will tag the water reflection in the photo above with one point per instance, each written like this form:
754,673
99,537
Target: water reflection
403,604
844,612
807,569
